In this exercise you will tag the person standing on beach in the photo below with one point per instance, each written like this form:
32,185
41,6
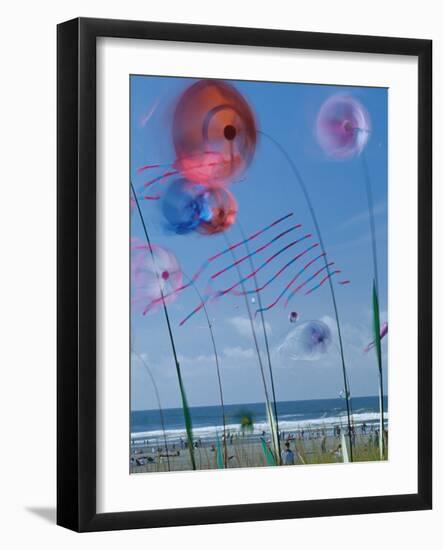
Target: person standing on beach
323,444
287,455
337,452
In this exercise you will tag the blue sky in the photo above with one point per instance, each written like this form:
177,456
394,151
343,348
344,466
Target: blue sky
268,191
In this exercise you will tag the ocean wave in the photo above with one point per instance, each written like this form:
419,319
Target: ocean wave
208,432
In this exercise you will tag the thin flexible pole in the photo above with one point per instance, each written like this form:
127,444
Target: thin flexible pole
265,337
251,321
370,200
168,324
160,408
217,364
331,287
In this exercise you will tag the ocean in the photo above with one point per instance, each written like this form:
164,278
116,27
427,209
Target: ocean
292,416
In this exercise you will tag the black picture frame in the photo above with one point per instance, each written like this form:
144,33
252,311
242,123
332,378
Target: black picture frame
76,280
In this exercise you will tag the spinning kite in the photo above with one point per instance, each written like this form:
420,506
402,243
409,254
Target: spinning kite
155,275
343,126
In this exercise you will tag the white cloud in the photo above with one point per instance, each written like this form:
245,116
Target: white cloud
361,217
238,352
139,358
243,325
196,360
363,239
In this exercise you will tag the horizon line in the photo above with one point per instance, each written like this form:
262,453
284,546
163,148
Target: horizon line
257,403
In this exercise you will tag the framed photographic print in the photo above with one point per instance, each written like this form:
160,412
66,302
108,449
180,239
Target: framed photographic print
244,274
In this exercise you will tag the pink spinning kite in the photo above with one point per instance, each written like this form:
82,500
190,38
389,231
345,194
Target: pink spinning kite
155,275
343,126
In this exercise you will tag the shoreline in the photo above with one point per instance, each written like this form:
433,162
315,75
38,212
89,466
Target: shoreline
324,425
294,427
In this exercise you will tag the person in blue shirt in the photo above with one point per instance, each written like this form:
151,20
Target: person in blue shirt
287,455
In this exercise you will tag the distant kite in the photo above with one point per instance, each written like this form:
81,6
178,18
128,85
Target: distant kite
343,126
155,275
307,341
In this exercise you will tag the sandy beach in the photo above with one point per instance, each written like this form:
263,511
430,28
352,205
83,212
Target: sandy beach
245,451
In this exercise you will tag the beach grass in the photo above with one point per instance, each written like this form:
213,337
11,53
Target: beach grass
248,452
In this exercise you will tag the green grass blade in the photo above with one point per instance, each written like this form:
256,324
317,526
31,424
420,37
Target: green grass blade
270,459
273,429
220,463
344,448
376,323
188,420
